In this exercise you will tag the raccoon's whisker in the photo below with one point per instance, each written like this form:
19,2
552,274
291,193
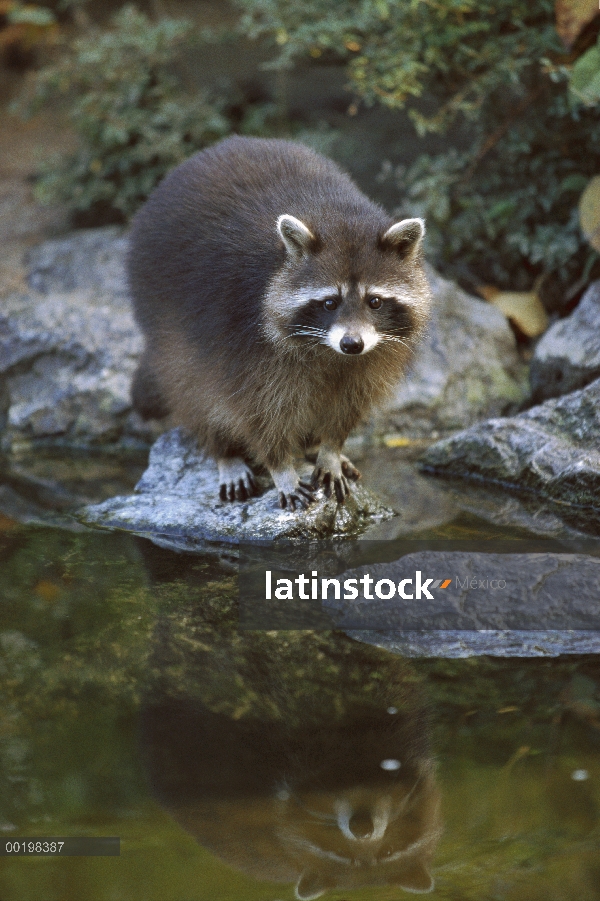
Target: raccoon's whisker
395,338
314,332
309,328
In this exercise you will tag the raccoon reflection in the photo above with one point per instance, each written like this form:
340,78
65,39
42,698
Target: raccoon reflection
278,305
324,779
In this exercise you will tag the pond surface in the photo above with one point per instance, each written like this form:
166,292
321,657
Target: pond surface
270,765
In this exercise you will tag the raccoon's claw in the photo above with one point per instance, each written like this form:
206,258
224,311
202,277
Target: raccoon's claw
331,484
238,491
334,472
236,481
350,471
302,496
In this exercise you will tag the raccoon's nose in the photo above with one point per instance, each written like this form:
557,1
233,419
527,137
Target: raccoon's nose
361,824
351,345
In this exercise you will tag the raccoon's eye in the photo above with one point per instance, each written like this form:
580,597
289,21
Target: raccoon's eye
330,304
375,302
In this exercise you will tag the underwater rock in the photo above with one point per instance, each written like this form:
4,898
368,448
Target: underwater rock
176,505
517,514
16,509
551,449
466,369
567,357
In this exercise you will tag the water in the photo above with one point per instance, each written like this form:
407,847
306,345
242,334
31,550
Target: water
237,765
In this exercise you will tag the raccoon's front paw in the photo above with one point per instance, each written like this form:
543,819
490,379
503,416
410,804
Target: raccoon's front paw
291,491
236,480
334,472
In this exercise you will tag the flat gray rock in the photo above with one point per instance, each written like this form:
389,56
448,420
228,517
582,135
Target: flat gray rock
551,449
545,609
567,356
466,369
519,591
176,505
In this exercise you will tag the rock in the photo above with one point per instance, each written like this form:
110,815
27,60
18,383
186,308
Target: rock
466,369
67,355
551,449
450,508
66,363
567,357
491,643
471,590
16,509
88,260
176,505
489,511
541,590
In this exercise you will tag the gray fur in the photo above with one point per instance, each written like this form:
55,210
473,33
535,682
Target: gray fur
230,266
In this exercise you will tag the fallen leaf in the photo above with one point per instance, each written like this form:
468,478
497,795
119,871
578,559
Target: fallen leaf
525,309
488,292
396,441
48,591
584,84
7,524
571,18
589,212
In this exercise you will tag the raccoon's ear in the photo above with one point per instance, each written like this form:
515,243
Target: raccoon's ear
298,239
416,878
312,885
404,237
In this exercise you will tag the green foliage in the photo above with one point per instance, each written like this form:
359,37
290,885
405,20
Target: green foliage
502,210
18,14
130,113
512,216
460,50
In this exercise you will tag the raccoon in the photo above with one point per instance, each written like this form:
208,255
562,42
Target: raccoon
278,304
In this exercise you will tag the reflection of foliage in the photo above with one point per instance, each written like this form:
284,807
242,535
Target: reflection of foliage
502,210
303,679
133,118
75,628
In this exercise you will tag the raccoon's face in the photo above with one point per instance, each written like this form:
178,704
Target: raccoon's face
351,318
362,837
348,296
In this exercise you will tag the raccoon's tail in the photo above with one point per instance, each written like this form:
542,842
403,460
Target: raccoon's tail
145,392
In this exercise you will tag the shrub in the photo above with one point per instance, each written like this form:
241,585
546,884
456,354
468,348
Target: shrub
502,209
133,119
